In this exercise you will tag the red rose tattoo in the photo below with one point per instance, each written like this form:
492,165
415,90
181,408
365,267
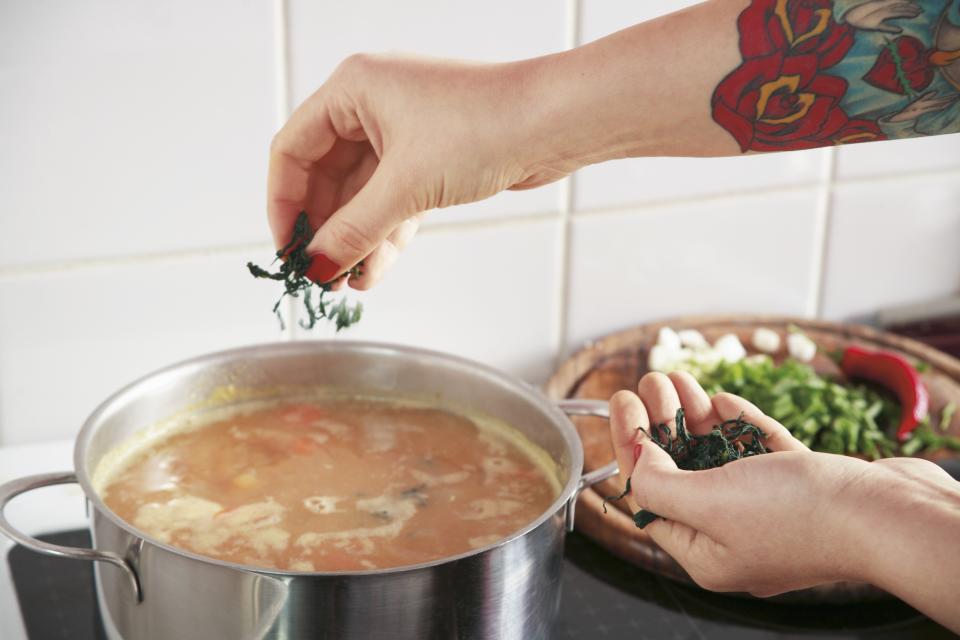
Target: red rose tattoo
781,102
796,27
779,98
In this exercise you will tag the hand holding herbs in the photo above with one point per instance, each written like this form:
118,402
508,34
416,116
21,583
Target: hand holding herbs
293,269
766,523
728,441
878,409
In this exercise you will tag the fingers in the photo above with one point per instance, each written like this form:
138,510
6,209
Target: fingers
883,27
938,104
383,257
660,398
659,486
304,139
362,224
627,417
776,436
904,10
699,411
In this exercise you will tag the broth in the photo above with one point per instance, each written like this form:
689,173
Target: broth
334,485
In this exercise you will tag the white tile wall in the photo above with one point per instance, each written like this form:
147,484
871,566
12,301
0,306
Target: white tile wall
486,293
132,127
68,339
601,17
899,157
634,180
740,254
131,193
892,242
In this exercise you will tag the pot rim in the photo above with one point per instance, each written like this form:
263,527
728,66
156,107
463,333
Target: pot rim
540,400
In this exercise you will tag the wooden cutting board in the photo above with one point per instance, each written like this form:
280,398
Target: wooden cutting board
618,361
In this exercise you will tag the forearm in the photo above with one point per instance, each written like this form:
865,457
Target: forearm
734,76
909,541
643,91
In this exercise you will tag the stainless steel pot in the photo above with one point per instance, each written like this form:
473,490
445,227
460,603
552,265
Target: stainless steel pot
150,590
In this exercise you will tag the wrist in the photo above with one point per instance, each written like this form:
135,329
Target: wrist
575,121
622,96
910,511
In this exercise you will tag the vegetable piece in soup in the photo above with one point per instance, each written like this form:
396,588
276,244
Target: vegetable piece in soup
334,485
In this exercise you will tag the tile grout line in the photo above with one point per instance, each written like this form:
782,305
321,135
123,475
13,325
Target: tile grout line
822,230
636,206
281,73
42,268
561,318
17,270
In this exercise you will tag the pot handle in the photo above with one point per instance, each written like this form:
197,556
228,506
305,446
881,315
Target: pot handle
595,409
12,489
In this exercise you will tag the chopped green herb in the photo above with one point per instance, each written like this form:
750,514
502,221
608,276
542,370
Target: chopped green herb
946,416
728,441
292,273
822,413
925,437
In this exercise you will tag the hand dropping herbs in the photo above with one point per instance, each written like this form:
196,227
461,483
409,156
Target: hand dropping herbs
728,441
292,272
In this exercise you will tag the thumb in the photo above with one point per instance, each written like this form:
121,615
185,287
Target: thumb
358,227
659,486
883,27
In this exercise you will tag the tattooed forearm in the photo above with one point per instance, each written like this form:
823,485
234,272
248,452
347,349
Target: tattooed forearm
823,72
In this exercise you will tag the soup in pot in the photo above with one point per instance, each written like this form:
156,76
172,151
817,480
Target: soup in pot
334,485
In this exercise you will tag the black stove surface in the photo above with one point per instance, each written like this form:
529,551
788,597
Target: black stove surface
603,598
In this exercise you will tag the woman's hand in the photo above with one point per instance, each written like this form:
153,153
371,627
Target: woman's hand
874,15
387,138
929,102
791,518
761,524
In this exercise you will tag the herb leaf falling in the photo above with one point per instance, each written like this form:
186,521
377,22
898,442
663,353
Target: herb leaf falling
728,441
292,272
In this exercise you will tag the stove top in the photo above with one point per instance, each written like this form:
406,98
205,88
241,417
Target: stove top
603,598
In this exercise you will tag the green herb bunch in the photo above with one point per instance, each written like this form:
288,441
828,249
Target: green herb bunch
292,272
728,441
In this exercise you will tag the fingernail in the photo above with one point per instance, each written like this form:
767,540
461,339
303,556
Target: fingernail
322,269
637,450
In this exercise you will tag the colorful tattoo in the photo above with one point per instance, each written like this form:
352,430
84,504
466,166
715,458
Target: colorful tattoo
823,72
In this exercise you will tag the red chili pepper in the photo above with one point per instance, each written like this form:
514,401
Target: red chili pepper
894,372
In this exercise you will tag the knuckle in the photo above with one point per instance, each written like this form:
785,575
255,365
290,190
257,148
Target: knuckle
356,63
277,143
